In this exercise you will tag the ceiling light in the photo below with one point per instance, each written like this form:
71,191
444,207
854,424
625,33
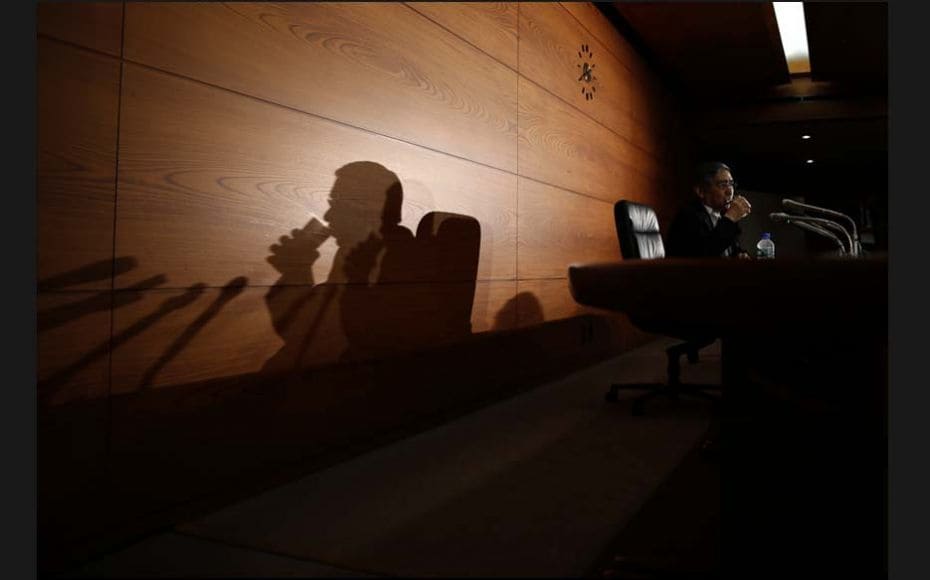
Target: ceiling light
805,136
790,18
809,161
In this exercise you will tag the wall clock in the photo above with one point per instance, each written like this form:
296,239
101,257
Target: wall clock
586,69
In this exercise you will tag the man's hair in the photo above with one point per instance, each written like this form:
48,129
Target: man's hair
705,172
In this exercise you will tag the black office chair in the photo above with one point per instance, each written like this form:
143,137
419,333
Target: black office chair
640,239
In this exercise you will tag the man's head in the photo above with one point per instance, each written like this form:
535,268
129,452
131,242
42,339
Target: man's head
714,185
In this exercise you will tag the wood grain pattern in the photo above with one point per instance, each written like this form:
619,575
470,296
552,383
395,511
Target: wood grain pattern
652,106
563,147
72,346
490,310
551,55
380,66
595,23
95,25
491,26
172,338
210,182
77,101
556,228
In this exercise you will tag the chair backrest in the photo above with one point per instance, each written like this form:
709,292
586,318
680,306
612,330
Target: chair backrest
638,230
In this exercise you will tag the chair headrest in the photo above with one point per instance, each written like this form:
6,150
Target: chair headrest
638,231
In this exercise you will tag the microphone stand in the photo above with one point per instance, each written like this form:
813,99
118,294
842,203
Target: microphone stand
819,230
856,247
827,224
815,225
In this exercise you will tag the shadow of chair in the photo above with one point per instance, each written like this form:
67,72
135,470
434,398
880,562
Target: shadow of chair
450,245
640,239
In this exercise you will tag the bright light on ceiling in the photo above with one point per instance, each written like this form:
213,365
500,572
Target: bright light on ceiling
790,18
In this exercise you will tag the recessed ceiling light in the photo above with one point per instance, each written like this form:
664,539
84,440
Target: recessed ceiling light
805,136
810,161
790,19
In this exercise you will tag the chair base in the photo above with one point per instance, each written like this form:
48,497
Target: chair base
673,391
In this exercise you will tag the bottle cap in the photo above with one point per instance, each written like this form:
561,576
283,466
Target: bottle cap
766,236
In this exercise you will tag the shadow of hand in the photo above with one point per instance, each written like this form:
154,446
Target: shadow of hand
294,254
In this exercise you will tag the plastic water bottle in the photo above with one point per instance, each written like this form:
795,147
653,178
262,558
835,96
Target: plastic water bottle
766,247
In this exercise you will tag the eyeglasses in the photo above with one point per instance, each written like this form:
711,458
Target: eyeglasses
725,183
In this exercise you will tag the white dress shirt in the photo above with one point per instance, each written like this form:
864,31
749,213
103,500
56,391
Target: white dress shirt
714,215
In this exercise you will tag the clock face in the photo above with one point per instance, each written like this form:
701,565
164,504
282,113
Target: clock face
586,72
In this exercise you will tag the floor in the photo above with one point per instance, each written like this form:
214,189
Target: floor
554,482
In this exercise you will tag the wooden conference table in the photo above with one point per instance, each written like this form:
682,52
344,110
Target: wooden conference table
802,426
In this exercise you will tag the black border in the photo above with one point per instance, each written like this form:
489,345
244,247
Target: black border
908,289
908,292
20,547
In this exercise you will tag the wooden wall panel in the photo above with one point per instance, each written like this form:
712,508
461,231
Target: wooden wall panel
557,228
378,66
171,338
561,146
211,180
491,26
551,56
595,23
234,121
652,101
96,25
491,310
183,336
78,96
73,351
547,300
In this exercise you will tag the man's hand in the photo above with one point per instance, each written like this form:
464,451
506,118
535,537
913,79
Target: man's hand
743,256
739,208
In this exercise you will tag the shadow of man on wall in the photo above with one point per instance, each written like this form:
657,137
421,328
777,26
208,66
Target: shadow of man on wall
387,290
388,297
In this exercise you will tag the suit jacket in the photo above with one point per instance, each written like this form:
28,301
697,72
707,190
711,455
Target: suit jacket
692,234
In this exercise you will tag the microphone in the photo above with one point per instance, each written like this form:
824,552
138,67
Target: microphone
856,248
823,223
828,224
810,224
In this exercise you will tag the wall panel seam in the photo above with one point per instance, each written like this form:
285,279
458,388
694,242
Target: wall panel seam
45,36
119,108
592,119
542,278
315,115
516,201
350,126
565,189
470,43
376,285
607,48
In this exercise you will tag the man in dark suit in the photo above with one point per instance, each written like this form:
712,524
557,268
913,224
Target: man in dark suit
707,226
